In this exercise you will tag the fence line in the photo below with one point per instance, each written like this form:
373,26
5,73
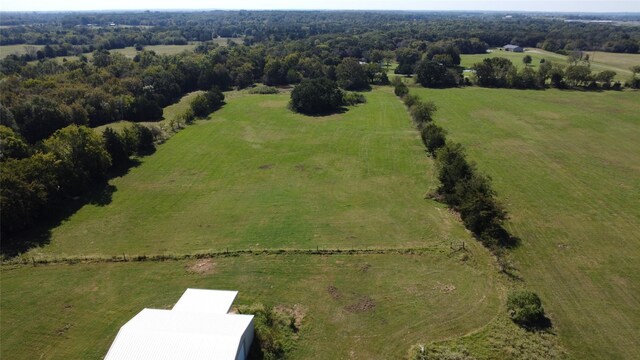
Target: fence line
34,261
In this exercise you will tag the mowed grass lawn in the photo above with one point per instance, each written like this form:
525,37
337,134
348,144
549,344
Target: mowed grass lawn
600,61
567,166
257,175
358,306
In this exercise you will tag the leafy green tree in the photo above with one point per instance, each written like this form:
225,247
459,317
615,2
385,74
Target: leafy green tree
605,76
27,186
577,75
481,213
434,75
422,112
433,137
204,104
82,154
6,118
39,117
12,145
527,59
494,72
316,96
453,168
351,75
116,147
525,308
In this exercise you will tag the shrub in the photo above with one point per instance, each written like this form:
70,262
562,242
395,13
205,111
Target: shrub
263,90
352,98
433,137
401,90
206,103
525,308
410,100
422,112
275,332
316,96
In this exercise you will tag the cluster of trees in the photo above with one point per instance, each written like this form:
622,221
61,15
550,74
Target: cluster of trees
36,180
316,97
462,187
500,72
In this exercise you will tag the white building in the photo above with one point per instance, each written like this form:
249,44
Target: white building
198,327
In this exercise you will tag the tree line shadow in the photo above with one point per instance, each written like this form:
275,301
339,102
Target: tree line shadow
98,194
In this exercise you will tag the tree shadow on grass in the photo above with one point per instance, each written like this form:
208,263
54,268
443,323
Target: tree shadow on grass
100,194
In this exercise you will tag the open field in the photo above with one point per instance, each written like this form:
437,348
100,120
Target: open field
257,175
74,311
566,165
620,63
20,49
168,113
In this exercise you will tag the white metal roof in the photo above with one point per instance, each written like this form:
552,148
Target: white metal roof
206,301
199,328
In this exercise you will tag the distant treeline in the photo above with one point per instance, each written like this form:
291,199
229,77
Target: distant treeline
392,29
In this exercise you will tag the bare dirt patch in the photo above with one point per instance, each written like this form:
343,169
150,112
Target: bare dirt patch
202,267
364,304
334,292
445,288
265,166
365,268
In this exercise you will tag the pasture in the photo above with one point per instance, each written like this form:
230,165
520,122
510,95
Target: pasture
256,175
354,306
600,61
566,165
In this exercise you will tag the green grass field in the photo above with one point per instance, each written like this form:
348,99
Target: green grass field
600,61
75,311
168,113
20,49
257,175
566,165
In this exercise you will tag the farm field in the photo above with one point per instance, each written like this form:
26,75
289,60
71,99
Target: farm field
350,302
566,165
20,49
257,175
620,63
355,179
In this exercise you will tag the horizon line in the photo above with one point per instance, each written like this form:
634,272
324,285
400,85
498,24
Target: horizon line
634,12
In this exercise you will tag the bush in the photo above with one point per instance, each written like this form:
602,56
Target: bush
433,137
316,96
401,90
206,103
263,90
410,100
352,98
275,332
422,112
525,308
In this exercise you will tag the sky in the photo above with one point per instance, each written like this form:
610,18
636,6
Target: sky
503,5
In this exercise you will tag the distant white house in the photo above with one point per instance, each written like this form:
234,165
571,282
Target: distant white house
513,48
198,327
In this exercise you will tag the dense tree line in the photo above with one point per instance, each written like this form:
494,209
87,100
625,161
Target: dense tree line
149,28
37,180
462,186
